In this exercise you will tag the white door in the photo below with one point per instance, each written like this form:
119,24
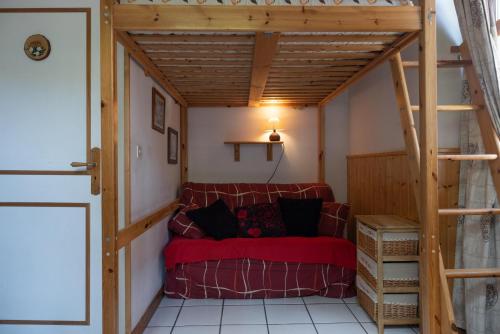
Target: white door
50,223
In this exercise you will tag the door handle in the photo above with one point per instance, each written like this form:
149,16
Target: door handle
94,170
84,164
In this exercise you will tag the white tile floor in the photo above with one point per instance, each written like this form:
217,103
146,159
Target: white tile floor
308,315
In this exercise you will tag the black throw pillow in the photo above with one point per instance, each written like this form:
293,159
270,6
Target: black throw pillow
216,220
301,216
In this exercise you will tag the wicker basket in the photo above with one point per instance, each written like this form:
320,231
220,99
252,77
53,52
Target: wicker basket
388,283
391,311
390,248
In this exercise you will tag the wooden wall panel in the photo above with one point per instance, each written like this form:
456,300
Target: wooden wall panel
379,183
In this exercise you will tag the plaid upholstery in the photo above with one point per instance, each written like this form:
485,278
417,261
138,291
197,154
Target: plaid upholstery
181,224
243,194
247,279
333,219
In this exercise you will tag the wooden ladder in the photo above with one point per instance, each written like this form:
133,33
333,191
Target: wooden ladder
491,145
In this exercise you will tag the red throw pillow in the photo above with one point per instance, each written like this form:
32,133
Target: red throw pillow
181,224
260,220
333,219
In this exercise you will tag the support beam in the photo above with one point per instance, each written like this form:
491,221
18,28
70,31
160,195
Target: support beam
108,170
429,241
396,47
321,143
407,123
139,55
184,144
266,45
268,18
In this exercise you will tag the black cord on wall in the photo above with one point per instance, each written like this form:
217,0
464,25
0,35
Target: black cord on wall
278,164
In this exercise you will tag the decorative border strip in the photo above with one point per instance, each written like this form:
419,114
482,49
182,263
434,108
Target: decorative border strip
86,321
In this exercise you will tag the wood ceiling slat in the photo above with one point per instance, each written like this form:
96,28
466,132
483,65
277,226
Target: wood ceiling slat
205,63
324,69
330,47
167,56
307,63
198,47
193,38
324,56
306,38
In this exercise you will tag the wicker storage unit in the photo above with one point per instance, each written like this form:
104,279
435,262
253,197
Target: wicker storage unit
396,275
388,284
396,306
394,244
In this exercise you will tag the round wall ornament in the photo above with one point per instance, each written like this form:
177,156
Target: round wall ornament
37,47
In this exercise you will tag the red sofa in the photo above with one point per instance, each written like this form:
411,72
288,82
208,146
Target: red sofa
259,267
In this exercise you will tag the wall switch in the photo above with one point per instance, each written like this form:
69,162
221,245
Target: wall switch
138,152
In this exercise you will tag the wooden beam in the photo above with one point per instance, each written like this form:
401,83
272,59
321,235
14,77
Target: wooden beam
440,63
407,123
139,55
264,51
321,143
268,18
109,181
194,38
448,317
429,218
490,138
467,211
184,144
330,38
472,273
397,46
129,233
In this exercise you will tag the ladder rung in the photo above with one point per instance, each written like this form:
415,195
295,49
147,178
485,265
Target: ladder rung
460,157
440,63
465,211
472,273
452,107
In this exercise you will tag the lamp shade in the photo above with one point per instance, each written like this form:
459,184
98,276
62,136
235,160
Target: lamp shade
274,122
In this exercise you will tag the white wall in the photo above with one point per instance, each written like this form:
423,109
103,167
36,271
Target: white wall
212,161
154,184
337,145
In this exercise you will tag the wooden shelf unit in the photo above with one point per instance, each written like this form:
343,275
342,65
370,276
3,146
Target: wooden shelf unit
387,224
269,145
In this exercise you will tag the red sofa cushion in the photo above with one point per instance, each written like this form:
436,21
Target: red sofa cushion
321,250
181,224
333,219
260,220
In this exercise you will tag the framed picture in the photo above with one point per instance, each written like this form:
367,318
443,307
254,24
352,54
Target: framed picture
173,143
158,111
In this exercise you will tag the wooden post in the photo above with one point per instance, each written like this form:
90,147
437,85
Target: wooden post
321,143
429,242
108,172
184,143
407,123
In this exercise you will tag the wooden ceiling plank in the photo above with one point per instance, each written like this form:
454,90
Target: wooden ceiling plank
264,50
267,18
137,53
193,38
325,56
330,47
329,38
197,47
167,56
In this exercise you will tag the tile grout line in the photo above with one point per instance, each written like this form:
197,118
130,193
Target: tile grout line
221,314
265,314
177,317
309,313
354,315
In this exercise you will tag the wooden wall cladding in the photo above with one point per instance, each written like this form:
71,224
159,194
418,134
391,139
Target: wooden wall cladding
379,183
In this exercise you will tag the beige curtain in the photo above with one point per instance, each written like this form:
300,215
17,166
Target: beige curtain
476,304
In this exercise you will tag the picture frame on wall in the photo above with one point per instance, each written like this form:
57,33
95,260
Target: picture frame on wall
173,144
158,111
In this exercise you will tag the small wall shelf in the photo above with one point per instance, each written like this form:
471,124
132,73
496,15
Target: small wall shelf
269,145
